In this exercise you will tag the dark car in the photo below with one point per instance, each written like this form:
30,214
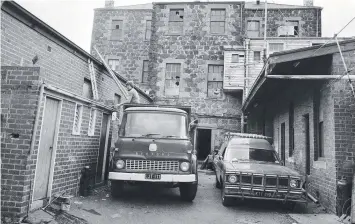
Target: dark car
248,167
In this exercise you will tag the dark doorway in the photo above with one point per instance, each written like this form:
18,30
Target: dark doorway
203,143
102,150
283,143
307,142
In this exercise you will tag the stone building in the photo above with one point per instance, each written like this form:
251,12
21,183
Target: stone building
303,99
193,53
51,124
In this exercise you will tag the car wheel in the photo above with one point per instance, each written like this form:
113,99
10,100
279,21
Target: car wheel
218,184
226,201
188,191
117,187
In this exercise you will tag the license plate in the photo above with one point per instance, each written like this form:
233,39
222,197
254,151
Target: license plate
265,194
152,176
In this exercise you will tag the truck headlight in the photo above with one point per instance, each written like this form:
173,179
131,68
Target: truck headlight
232,179
294,183
120,164
184,166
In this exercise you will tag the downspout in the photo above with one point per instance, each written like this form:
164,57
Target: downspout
317,24
246,80
33,139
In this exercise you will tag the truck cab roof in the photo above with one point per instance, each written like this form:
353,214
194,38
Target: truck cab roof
160,109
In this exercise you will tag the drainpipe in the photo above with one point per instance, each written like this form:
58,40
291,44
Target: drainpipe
246,74
33,139
317,23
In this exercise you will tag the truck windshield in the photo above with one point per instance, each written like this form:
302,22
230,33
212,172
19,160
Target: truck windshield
244,153
150,124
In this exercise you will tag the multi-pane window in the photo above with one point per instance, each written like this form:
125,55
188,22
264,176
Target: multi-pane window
275,47
253,28
92,122
291,28
87,88
113,63
145,71
77,119
215,81
117,99
176,21
172,78
257,56
148,29
218,19
235,58
116,29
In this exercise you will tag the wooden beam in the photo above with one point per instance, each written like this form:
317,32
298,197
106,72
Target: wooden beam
309,77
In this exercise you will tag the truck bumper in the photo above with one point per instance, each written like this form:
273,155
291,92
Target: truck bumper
167,178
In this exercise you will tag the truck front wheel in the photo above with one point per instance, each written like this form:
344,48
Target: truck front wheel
117,188
188,191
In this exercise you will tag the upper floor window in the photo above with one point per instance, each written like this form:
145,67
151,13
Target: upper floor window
87,88
215,81
257,56
117,99
172,78
116,29
275,47
176,21
218,19
235,58
148,29
145,71
253,28
291,28
113,63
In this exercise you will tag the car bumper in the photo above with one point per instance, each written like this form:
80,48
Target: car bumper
265,194
167,178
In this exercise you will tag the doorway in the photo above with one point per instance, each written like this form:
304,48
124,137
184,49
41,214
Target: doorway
101,159
283,143
46,151
203,143
307,142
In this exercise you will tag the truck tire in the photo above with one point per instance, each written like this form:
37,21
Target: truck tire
188,191
117,187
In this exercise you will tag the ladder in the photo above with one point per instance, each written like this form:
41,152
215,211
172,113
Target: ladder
120,86
93,80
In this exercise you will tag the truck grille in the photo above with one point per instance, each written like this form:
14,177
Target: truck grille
152,165
269,181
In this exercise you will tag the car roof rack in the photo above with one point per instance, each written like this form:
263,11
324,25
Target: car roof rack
229,135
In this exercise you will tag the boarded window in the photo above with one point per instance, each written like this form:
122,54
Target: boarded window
116,29
176,21
77,119
87,88
291,28
114,63
235,58
253,28
218,19
117,99
148,29
92,122
172,79
275,47
215,81
257,56
145,71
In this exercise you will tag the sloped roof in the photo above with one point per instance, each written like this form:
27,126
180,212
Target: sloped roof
132,7
253,5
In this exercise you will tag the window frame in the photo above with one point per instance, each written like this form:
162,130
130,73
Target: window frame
213,80
256,30
269,46
148,28
79,122
258,60
116,66
237,61
214,19
145,73
172,21
287,24
87,81
171,78
120,37
92,121
118,96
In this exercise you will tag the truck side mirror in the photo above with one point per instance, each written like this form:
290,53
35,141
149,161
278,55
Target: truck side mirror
193,124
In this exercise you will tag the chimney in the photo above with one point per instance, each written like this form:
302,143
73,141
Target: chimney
258,2
308,2
109,3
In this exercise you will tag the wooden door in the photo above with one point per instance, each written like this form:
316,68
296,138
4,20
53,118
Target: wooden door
45,158
283,143
102,150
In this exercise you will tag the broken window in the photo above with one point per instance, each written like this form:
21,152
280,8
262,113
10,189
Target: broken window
291,28
215,81
113,63
176,21
253,28
218,19
275,47
145,71
117,99
87,88
92,122
235,58
172,79
148,29
257,56
116,30
77,119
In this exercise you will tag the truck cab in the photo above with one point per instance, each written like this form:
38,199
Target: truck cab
154,146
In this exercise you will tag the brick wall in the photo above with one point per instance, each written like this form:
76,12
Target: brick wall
19,97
